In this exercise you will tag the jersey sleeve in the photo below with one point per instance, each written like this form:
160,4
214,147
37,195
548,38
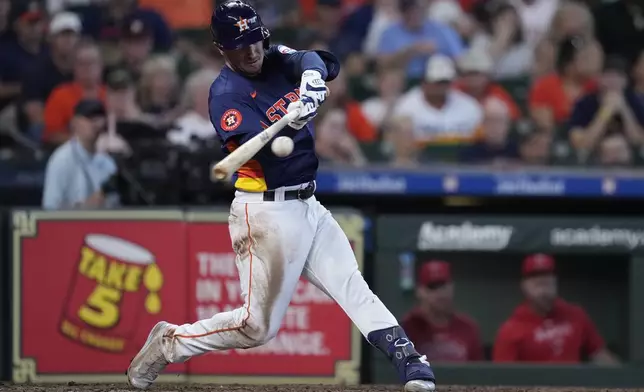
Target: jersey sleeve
506,348
234,118
297,61
593,342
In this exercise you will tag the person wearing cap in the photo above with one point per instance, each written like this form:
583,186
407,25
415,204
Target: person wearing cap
475,79
6,32
27,19
105,21
552,96
546,328
76,175
410,42
135,47
87,83
437,330
612,109
441,114
54,69
495,146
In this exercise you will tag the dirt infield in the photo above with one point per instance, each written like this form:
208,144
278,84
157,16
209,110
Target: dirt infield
72,387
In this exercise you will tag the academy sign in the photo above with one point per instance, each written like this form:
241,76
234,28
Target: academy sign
597,236
464,236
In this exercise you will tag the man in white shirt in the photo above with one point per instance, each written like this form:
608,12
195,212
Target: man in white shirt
440,113
77,176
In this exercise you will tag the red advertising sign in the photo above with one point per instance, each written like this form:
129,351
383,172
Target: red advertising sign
317,341
91,286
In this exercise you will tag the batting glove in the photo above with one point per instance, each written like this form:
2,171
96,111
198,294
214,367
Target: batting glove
312,85
308,110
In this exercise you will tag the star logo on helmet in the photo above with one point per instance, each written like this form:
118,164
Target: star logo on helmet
244,24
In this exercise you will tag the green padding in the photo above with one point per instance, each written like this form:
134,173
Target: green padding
373,152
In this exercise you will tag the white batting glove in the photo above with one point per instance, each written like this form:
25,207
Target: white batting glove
308,110
312,85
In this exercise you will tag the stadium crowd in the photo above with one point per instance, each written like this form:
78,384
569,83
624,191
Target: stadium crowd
476,81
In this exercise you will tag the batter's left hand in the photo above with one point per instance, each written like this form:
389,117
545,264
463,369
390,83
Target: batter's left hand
312,86
308,110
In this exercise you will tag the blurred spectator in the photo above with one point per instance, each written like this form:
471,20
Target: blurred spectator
52,70
534,148
77,176
535,16
436,328
121,97
412,41
105,22
334,142
620,27
25,48
6,32
613,109
494,145
398,142
573,18
56,6
501,37
637,75
195,123
385,14
377,109
87,84
552,96
545,328
356,122
329,27
450,13
476,69
159,88
136,44
121,107
614,151
439,112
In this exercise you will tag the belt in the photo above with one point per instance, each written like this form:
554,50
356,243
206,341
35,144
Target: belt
295,194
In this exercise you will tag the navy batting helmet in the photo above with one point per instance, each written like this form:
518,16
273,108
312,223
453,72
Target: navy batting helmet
236,24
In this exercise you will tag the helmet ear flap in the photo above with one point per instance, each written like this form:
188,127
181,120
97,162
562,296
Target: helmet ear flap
267,35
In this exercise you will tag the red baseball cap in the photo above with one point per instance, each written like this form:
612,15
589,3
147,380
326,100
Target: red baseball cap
434,272
538,263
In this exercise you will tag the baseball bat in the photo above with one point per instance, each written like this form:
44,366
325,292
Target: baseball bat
225,168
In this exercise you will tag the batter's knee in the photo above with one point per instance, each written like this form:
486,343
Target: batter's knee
256,331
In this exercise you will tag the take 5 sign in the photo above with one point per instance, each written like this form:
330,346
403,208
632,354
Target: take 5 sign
92,284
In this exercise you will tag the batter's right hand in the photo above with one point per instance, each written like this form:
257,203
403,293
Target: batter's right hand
308,110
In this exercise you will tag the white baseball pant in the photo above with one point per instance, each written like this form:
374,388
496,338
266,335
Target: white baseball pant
276,242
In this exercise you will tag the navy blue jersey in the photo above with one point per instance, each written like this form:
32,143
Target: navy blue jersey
242,106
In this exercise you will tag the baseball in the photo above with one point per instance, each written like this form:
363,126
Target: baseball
282,146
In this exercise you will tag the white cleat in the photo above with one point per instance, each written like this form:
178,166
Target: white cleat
150,361
419,386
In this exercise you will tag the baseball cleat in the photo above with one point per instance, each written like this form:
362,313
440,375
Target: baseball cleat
420,377
150,361
420,386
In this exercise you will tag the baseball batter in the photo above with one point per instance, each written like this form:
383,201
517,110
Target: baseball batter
278,229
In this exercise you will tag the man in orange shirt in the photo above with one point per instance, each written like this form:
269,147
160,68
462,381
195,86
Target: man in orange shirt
545,328
437,330
87,84
475,68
